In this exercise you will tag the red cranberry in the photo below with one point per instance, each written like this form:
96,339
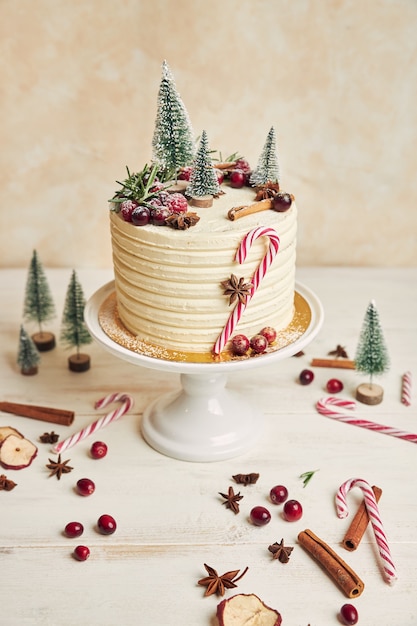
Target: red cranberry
85,487
278,494
141,216
269,333
126,209
260,516
237,179
106,524
349,614
98,450
292,511
240,345
259,344
81,553
73,529
281,202
334,385
306,377
185,173
243,165
159,215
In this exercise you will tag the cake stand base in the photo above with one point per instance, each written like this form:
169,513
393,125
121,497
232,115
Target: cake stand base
204,421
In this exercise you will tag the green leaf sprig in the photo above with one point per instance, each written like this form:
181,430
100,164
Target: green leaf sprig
136,187
307,476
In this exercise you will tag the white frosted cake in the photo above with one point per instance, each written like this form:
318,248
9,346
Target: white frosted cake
207,257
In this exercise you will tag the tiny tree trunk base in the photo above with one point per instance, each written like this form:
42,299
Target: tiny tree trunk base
29,371
44,341
79,362
369,394
203,202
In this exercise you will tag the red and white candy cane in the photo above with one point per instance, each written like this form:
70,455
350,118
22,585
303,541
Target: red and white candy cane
406,389
127,404
260,272
324,407
374,516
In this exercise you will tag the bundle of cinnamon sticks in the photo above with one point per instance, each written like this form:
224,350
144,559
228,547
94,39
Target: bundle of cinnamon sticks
350,583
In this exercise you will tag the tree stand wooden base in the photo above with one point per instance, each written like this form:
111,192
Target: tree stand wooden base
369,394
202,202
29,371
44,341
79,362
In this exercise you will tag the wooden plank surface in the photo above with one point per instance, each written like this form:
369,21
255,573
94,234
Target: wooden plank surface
170,517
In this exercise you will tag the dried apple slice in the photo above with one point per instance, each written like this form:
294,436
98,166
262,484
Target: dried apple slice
17,452
246,610
5,431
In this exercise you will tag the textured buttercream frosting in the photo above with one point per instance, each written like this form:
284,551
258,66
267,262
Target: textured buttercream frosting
168,282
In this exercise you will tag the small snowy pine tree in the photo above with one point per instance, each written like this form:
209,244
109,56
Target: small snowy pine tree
74,332
267,169
28,356
38,305
173,139
371,353
203,180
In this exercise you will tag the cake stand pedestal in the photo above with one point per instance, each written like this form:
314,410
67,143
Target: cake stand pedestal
204,420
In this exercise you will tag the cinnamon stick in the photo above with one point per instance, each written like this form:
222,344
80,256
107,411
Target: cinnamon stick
342,574
45,414
340,363
359,524
248,209
225,165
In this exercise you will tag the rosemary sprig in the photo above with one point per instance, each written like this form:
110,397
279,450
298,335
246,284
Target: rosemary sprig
136,186
307,476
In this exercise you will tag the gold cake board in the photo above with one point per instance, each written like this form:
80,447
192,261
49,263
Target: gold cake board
113,327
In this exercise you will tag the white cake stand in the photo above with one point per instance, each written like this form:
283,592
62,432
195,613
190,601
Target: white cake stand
203,420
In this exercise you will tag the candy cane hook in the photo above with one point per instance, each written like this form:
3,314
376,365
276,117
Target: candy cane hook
259,274
324,407
127,404
373,512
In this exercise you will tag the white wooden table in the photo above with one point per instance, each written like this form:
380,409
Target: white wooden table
170,517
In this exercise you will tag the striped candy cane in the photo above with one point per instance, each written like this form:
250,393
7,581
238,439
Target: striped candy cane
324,407
406,389
373,512
260,272
127,404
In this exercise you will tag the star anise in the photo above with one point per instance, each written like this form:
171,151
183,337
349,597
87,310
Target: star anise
280,552
182,221
218,584
269,190
237,289
59,467
231,500
339,352
6,484
51,437
246,479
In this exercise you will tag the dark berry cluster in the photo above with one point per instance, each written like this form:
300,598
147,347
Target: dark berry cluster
156,211
240,344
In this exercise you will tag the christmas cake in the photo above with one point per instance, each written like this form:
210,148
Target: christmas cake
203,249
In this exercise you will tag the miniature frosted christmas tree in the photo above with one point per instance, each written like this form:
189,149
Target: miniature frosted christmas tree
267,169
371,356
203,183
173,139
28,355
38,304
74,332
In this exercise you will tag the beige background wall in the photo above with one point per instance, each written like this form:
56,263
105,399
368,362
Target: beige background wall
337,79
